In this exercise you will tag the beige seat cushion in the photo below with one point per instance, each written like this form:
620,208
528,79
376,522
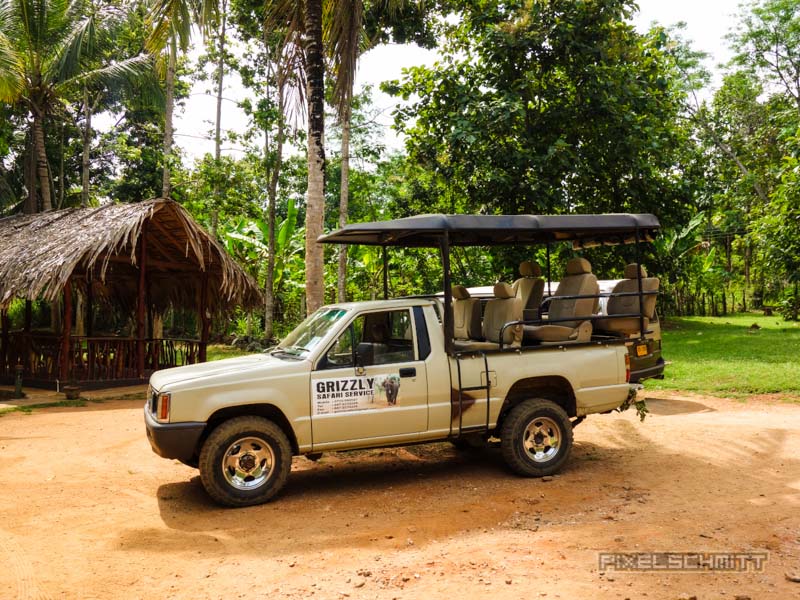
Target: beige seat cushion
556,333
503,308
621,305
529,288
466,315
579,282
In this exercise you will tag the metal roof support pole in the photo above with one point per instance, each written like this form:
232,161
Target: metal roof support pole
639,281
549,291
140,302
449,328
385,273
66,332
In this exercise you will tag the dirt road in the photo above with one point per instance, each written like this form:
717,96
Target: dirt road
88,511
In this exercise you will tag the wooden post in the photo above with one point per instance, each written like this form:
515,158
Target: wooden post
140,302
5,368
89,308
90,349
26,338
65,333
204,320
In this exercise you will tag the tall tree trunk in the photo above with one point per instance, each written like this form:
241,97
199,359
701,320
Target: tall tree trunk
31,204
166,185
87,137
269,286
315,196
61,168
42,167
218,126
344,196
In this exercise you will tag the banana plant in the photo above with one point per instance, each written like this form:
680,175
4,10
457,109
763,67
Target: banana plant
247,240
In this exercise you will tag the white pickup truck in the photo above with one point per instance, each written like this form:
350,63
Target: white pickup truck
387,373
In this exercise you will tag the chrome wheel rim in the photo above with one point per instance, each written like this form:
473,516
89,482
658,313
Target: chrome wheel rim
248,463
542,439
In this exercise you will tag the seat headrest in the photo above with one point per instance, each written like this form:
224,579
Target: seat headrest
380,333
529,268
578,266
630,271
460,292
503,290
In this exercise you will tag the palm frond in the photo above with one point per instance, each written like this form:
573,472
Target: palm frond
173,19
114,73
68,58
12,73
343,25
287,17
11,66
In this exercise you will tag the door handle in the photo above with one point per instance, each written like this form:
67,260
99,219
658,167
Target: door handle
408,372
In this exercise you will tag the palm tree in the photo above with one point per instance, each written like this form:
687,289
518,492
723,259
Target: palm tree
46,47
170,23
315,196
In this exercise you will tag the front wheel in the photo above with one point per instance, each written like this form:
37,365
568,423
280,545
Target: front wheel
536,438
245,461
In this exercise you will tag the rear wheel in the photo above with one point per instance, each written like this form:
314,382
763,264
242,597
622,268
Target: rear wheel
245,461
536,438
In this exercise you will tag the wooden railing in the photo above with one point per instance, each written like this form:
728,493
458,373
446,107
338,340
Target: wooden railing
91,358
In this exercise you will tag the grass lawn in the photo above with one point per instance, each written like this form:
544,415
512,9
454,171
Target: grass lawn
220,351
724,356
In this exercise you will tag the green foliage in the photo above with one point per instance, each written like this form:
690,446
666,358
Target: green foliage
546,107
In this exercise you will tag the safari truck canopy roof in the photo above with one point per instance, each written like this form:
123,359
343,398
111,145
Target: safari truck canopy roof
495,230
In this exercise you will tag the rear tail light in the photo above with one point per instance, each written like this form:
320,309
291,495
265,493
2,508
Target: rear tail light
627,368
163,407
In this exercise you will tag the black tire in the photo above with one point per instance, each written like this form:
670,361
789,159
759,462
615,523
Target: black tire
538,423
264,461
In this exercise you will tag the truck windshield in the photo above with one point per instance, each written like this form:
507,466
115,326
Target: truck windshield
310,332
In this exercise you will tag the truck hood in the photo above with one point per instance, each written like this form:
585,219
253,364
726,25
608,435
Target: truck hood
263,363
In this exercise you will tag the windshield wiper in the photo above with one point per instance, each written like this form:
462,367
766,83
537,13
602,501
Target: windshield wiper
291,350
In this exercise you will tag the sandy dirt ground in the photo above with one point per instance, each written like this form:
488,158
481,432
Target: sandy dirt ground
88,511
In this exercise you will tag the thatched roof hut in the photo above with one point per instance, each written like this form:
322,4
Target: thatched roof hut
40,252
141,258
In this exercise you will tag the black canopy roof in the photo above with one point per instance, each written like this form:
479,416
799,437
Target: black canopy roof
496,230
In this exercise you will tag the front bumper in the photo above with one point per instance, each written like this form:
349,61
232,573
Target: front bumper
173,440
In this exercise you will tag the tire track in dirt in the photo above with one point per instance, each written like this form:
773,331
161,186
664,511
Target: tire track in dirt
12,556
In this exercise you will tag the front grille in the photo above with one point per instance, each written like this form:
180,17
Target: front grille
153,401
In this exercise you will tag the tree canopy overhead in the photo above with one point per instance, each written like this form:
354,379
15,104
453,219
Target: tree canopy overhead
543,106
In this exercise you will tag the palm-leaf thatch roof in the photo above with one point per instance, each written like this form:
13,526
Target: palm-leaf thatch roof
101,247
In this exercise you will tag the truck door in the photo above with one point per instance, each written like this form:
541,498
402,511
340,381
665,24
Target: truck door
370,383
